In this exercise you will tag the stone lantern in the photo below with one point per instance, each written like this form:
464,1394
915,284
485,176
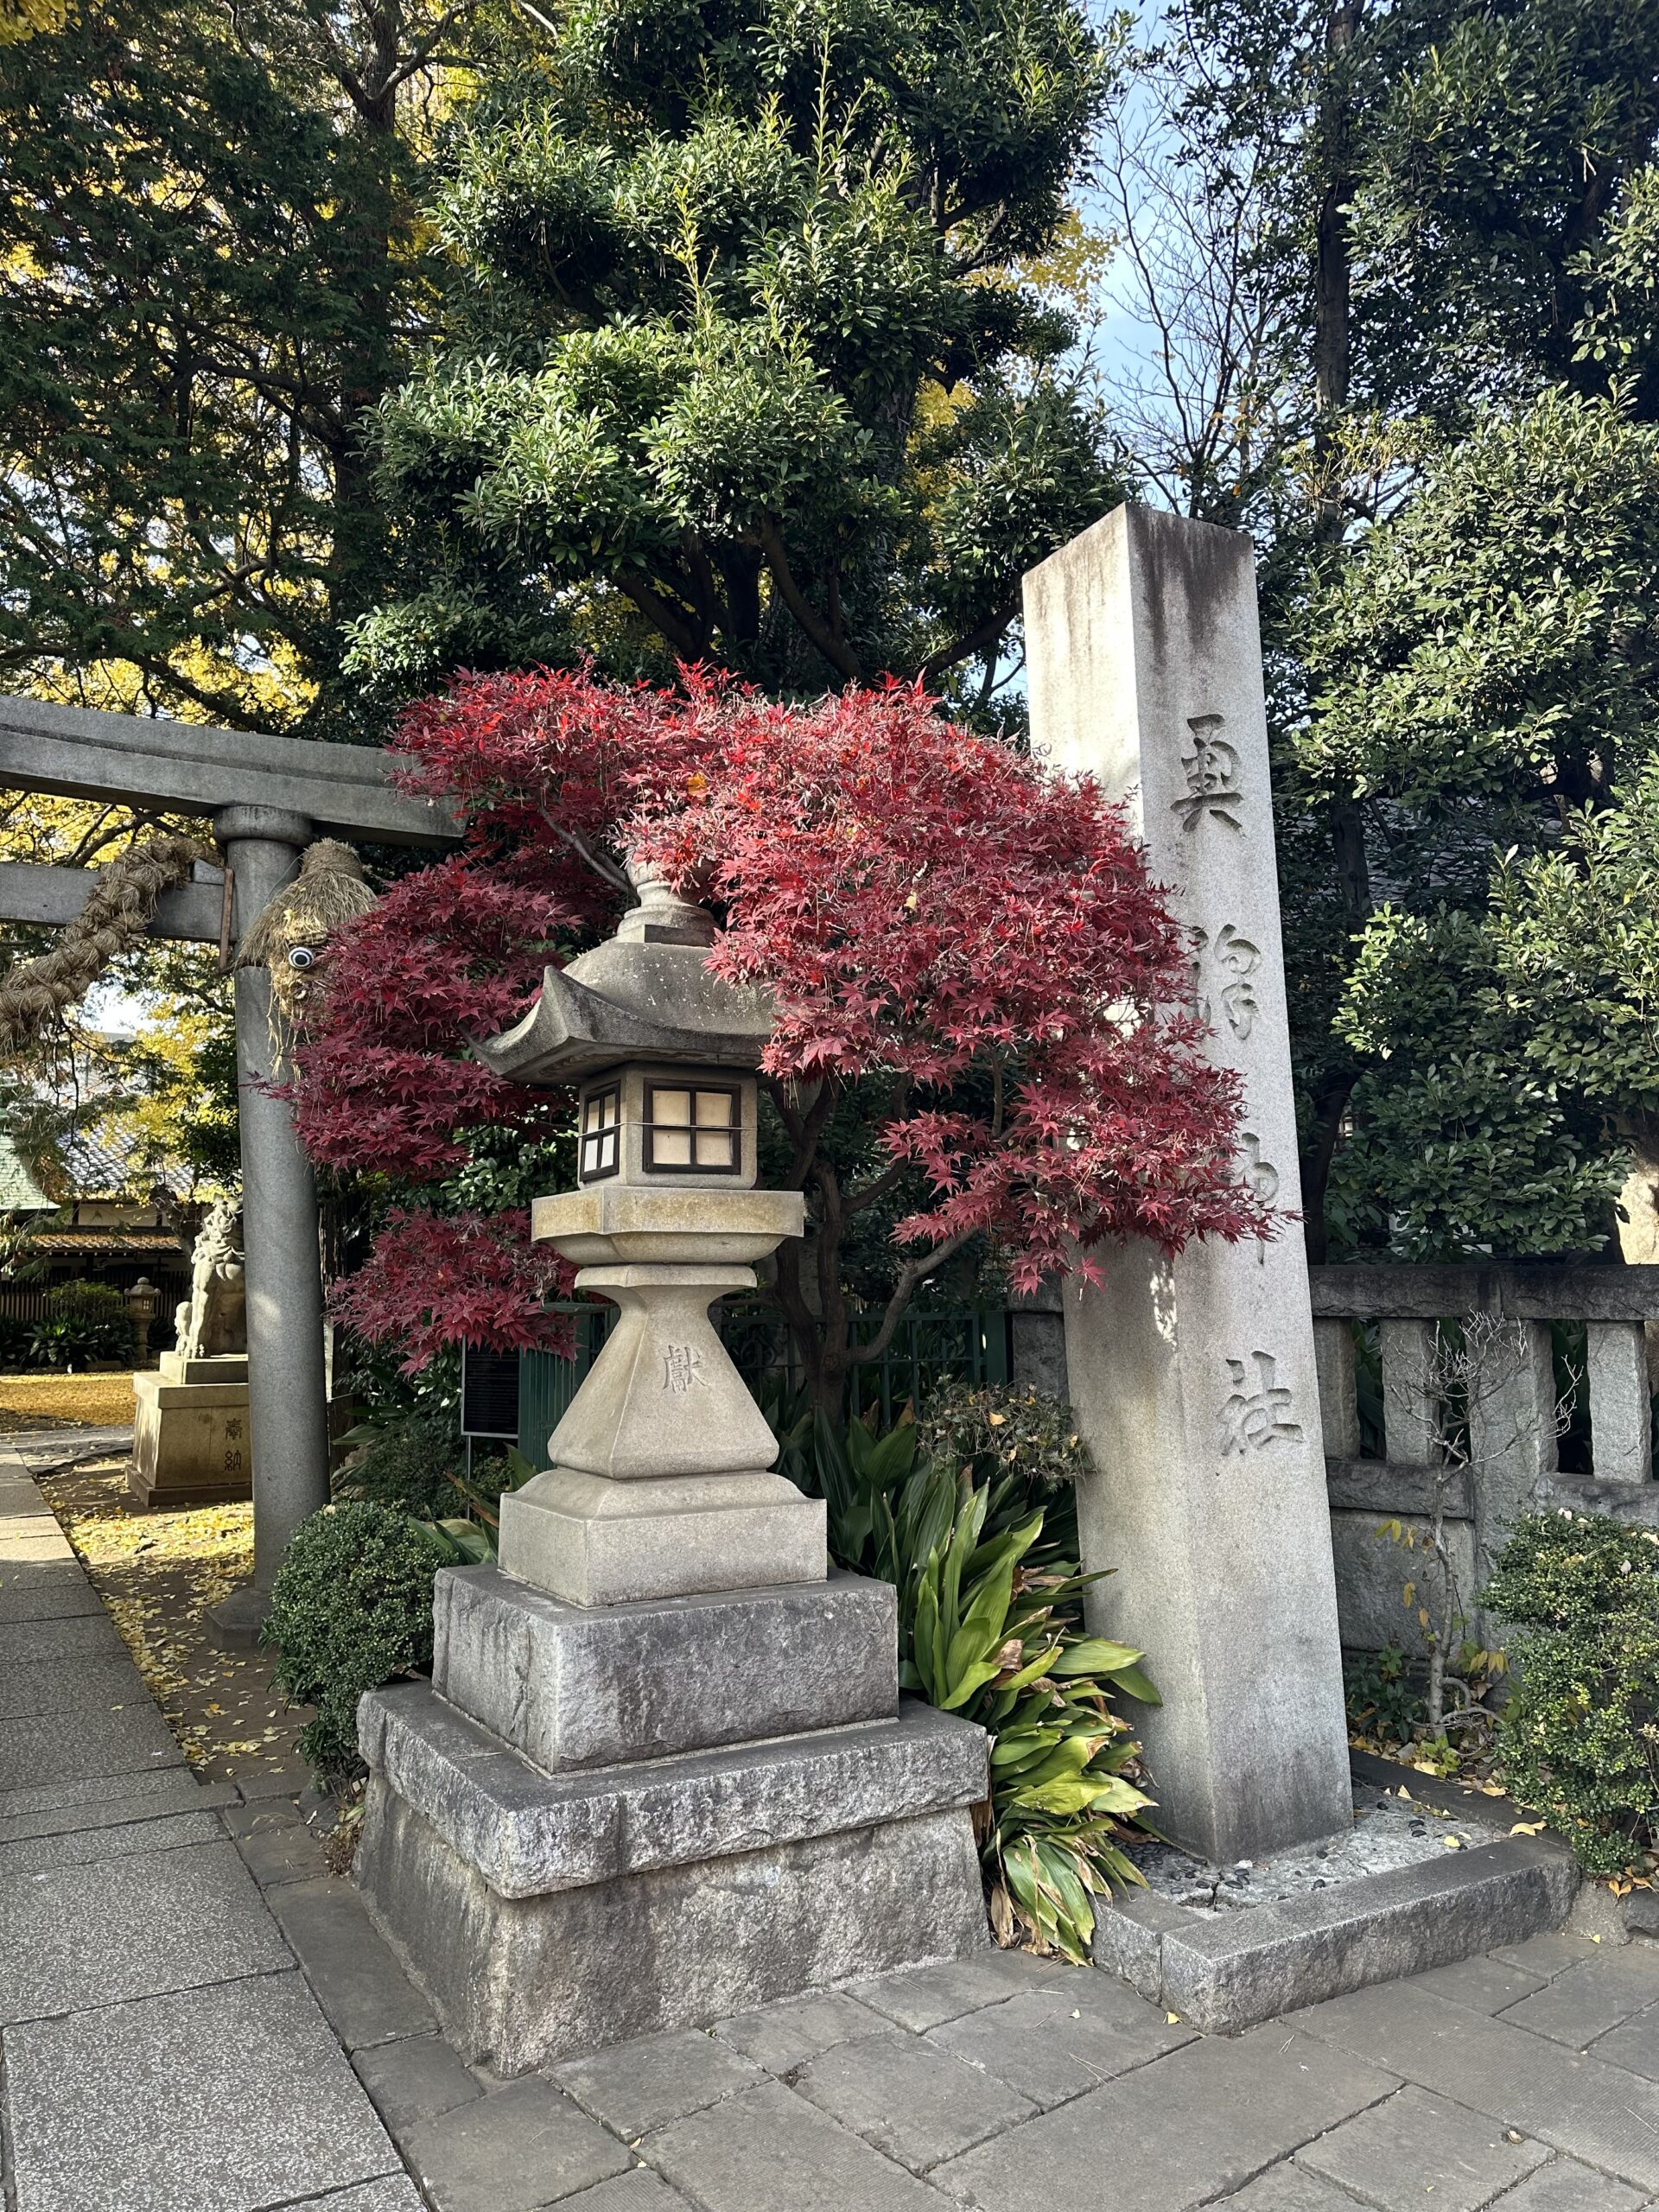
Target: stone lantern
658,1485
144,1303
661,1771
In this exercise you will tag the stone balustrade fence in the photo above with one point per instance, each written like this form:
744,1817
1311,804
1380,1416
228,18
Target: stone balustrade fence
1472,1417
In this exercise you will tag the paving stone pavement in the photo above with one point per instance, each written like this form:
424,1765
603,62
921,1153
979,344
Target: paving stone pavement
160,2048
196,2017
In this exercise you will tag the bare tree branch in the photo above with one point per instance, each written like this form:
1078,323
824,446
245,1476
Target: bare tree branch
913,1272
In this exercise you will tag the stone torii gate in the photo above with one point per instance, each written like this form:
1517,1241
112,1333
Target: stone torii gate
268,797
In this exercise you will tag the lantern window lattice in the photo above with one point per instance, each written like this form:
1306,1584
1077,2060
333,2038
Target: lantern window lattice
692,1129
602,1133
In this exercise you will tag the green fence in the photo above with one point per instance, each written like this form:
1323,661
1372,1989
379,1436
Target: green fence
973,1344
547,1382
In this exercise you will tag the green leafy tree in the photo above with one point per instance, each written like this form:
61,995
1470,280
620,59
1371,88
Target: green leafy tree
738,365
210,269
1575,941
1406,334
1462,1142
1432,186
1483,669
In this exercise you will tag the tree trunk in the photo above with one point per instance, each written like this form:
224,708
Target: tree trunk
1316,1170
1332,284
1332,300
1333,374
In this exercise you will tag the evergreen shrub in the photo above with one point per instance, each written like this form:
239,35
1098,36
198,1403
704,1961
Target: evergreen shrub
406,1459
88,1321
1578,1740
351,1608
996,1430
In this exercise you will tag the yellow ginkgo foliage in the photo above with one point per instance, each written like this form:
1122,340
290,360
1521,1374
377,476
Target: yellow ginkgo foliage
21,19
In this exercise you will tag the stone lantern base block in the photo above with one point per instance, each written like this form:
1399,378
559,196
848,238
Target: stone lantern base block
189,1439
593,1540
550,1915
574,1686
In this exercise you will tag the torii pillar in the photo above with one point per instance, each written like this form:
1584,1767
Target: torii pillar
268,797
287,1388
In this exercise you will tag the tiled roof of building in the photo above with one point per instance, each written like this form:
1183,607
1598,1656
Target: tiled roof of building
99,1167
107,1243
19,1191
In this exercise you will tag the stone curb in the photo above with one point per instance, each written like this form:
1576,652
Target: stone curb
1469,1805
1596,1911
1224,1975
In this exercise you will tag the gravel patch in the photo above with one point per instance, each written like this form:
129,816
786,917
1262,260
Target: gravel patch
1388,1831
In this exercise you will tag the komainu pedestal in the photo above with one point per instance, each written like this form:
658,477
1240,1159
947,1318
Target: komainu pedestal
190,1432
661,1771
190,1428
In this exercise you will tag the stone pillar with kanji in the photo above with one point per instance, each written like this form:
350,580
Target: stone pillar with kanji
1193,1378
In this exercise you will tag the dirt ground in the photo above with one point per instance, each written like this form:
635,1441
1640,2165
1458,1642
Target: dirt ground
159,1574
38,1401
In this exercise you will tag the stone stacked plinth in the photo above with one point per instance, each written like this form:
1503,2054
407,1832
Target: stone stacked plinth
596,1822
190,1432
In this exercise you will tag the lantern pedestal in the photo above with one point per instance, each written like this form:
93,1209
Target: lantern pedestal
660,1484
603,1543
661,1771
598,1823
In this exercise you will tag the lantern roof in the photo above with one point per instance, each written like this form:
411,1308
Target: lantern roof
644,994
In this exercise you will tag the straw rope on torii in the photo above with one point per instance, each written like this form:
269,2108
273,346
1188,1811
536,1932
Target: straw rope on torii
115,917
287,934
285,937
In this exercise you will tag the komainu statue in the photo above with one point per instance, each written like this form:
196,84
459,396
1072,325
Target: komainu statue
213,1317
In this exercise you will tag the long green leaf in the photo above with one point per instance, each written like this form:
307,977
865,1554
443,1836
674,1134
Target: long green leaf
926,1632
1096,1655
1131,1679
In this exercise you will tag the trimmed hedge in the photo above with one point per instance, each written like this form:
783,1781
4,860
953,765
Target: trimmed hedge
351,1608
1579,1739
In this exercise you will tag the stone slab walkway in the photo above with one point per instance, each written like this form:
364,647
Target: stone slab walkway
195,2017
160,2047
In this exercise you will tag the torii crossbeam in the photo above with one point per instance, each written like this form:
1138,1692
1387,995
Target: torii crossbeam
268,798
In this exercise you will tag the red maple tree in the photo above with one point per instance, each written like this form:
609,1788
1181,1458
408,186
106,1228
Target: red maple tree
983,999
